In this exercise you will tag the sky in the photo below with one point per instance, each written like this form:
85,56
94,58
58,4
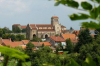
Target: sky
35,12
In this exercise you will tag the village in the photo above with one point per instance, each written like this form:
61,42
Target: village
50,33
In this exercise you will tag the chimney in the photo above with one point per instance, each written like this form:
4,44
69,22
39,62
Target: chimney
10,39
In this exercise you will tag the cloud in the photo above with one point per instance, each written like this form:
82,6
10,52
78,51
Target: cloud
13,6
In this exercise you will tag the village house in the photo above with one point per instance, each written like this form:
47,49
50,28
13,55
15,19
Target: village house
73,37
55,41
40,44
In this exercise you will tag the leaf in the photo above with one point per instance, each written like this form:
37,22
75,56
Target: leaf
72,4
86,5
57,3
99,60
98,1
94,13
99,9
79,17
89,62
72,63
92,25
13,53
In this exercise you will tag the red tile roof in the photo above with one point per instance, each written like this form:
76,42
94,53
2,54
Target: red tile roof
40,25
44,25
40,43
63,26
23,27
76,32
58,39
13,44
25,41
45,43
46,30
6,40
36,43
67,36
54,17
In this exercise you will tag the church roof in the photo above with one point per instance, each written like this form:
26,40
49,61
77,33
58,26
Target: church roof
46,30
41,25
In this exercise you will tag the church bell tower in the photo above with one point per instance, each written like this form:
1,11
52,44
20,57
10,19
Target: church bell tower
54,20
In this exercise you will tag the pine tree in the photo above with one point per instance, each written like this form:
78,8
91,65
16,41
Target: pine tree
84,38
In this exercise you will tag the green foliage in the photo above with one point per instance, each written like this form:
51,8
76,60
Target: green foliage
69,46
56,35
70,3
29,48
13,53
23,30
20,37
16,29
93,12
79,16
92,25
36,39
13,37
86,5
72,63
5,60
1,32
89,62
43,45
6,30
84,38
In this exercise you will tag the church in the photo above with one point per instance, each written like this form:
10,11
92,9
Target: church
45,30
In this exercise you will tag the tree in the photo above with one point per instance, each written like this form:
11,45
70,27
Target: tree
93,12
29,51
6,30
1,32
23,30
20,37
69,46
16,29
84,38
7,36
29,48
36,39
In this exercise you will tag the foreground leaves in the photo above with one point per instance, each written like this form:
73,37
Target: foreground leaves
13,53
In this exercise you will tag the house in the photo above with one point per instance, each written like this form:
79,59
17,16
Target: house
55,41
73,37
76,32
39,44
25,41
8,42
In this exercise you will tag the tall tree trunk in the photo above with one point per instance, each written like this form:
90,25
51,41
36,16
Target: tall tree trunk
5,62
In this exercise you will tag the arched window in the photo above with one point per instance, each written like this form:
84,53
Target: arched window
46,36
34,35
